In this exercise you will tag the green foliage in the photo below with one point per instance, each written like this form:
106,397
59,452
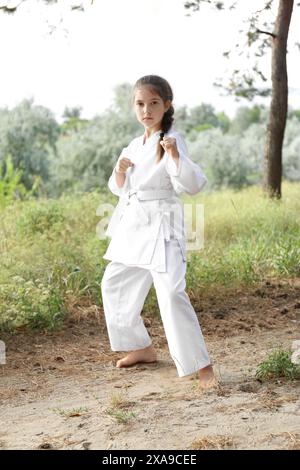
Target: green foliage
203,114
73,122
28,132
236,159
294,113
278,365
247,238
245,116
31,304
73,112
10,185
87,150
223,121
121,416
79,154
40,218
203,127
51,257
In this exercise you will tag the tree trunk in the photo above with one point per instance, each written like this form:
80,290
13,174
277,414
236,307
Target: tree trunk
279,102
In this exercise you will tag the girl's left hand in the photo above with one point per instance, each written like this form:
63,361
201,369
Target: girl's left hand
169,145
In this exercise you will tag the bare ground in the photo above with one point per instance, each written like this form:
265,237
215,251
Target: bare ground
62,390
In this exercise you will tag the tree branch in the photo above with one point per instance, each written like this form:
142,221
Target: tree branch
266,32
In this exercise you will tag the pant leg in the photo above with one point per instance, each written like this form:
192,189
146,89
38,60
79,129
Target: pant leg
124,290
182,329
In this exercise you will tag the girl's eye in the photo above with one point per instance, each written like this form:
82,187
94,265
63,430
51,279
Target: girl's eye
154,102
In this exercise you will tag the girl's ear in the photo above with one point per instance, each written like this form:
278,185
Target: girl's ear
167,105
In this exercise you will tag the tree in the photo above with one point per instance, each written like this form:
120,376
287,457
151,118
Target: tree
223,121
74,112
11,6
203,114
199,118
28,132
244,85
246,116
72,120
86,155
279,101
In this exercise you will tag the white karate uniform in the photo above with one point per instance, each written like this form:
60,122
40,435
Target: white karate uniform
148,245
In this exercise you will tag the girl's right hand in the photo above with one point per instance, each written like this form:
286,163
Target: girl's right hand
123,164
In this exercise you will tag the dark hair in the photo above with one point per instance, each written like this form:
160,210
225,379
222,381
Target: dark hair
160,86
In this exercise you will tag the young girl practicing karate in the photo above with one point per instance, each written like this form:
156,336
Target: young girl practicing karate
148,239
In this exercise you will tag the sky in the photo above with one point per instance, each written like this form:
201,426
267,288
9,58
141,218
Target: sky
82,59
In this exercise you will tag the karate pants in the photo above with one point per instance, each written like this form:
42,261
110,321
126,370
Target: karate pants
124,290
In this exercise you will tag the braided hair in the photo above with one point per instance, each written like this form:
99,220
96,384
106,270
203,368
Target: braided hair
160,86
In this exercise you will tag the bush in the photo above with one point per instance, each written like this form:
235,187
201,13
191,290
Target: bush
31,304
40,218
278,364
10,185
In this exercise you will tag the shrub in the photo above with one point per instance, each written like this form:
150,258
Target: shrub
278,364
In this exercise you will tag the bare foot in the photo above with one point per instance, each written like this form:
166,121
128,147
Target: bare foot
140,355
207,378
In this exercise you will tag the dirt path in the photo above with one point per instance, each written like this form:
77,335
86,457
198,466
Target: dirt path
62,390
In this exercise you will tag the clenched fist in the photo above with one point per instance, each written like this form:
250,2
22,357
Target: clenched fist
123,164
169,145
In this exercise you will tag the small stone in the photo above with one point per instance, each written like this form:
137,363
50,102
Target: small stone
59,359
219,315
249,387
284,311
45,446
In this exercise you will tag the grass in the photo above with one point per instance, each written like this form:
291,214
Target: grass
247,238
118,409
50,252
278,365
292,439
216,442
71,413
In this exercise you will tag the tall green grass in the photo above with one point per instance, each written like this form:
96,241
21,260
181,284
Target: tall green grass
248,238
50,252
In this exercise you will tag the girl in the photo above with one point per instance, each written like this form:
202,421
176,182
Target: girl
148,239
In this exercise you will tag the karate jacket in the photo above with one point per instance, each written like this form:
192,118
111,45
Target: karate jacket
138,228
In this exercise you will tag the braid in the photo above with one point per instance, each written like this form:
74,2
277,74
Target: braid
166,125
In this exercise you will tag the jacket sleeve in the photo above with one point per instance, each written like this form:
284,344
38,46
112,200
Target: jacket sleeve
188,177
112,183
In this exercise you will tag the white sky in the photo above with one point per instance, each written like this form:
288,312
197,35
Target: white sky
122,40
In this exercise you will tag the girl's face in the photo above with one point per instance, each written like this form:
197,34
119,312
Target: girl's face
149,108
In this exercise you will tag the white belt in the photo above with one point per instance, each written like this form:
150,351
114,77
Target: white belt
151,194
147,195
